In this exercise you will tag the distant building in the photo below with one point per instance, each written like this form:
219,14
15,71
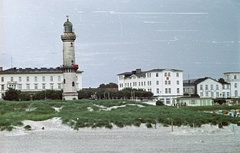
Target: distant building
234,79
29,79
207,88
165,84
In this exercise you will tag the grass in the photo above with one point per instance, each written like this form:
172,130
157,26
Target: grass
77,115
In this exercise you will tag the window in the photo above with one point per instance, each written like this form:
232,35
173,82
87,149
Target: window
228,94
51,78
28,86
149,75
201,87
59,85
169,74
2,79
157,90
166,90
59,78
169,82
212,94
177,74
35,86
177,82
20,79
11,78
193,102
156,74
43,78
35,78
206,87
211,87
206,94
216,87
235,85
2,87
19,86
168,100
43,86
27,78
217,94
236,93
51,86
169,90
73,84
166,82
178,90
157,82
235,77
165,74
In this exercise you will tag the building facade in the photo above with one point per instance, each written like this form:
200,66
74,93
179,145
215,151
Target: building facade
207,88
193,101
29,79
234,79
165,84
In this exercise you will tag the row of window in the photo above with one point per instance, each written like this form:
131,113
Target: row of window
36,78
212,94
29,86
211,87
166,74
167,90
143,83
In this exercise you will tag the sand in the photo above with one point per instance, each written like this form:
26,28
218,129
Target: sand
58,138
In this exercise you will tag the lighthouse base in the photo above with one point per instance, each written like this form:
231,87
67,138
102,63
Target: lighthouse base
70,96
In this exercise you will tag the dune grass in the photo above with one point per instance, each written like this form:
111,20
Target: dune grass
94,113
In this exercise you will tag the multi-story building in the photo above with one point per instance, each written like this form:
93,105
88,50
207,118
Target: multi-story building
29,79
207,88
234,79
165,84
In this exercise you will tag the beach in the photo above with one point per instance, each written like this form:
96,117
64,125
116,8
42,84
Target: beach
52,137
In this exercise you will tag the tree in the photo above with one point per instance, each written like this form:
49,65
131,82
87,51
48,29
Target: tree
110,85
12,94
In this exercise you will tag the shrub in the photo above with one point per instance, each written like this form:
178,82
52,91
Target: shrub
27,127
149,125
159,103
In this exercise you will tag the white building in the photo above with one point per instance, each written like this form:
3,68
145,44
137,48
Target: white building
29,79
234,79
165,84
207,88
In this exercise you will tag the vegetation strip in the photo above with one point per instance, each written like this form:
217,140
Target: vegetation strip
77,115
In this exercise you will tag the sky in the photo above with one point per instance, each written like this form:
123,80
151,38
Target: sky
200,37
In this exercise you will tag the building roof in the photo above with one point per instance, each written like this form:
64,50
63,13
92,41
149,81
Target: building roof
15,70
199,80
140,73
231,73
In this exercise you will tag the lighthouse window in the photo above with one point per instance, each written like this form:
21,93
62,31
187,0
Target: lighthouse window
73,84
71,44
64,81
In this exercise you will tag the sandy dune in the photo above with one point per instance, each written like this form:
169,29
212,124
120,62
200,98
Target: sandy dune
58,138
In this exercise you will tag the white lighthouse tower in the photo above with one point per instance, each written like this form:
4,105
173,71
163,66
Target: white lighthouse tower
69,66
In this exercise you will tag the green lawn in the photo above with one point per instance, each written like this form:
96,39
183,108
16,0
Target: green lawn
106,113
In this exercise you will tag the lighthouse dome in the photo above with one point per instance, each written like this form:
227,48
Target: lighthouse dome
68,26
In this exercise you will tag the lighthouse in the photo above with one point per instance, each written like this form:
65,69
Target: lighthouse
69,66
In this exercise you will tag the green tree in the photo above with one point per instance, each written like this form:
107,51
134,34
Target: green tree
12,94
110,85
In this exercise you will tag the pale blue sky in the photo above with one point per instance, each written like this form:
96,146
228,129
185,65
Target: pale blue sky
200,37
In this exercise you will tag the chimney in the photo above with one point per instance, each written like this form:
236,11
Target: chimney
138,70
